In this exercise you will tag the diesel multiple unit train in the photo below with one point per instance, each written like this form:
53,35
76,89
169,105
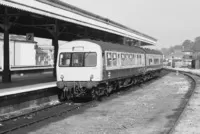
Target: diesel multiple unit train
96,68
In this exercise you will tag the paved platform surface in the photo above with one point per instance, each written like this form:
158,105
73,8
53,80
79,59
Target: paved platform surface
26,83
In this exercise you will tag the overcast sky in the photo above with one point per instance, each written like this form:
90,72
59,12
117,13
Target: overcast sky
169,21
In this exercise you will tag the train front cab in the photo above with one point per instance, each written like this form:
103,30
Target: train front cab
79,66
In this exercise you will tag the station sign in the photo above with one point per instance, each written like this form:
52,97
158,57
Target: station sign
30,37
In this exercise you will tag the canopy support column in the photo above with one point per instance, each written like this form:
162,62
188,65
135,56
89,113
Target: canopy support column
55,32
55,44
6,77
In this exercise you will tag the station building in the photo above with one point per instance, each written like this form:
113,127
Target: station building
22,53
26,53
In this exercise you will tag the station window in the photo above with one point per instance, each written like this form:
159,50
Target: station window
109,60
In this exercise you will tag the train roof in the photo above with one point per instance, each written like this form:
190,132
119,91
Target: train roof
108,46
116,47
152,51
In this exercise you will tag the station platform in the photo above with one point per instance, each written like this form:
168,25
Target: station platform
27,83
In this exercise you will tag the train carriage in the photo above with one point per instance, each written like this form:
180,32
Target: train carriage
96,67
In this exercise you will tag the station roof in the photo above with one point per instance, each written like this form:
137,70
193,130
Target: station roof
68,13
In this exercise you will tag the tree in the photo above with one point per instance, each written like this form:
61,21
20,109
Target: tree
187,45
197,39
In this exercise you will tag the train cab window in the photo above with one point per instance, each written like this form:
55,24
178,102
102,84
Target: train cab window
77,59
109,60
133,60
114,56
65,59
90,59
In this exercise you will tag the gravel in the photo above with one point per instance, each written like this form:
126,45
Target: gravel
151,108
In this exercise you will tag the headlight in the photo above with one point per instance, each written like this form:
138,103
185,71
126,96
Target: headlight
91,77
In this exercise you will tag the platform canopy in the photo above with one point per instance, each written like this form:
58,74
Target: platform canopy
56,20
56,9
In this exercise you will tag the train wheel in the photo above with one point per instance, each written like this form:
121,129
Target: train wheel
106,93
61,96
115,86
93,94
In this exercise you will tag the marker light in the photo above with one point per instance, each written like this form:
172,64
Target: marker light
91,77
62,77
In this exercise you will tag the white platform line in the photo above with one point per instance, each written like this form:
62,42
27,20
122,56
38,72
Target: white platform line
25,89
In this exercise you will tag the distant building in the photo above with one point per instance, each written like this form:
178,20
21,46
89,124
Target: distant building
196,54
187,49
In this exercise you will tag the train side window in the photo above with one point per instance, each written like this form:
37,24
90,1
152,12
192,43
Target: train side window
114,56
150,61
123,59
138,59
133,59
118,59
109,60
156,61
126,60
143,60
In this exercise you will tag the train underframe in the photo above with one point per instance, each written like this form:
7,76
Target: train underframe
95,90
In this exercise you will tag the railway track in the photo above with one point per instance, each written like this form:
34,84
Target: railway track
37,116
189,95
17,122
